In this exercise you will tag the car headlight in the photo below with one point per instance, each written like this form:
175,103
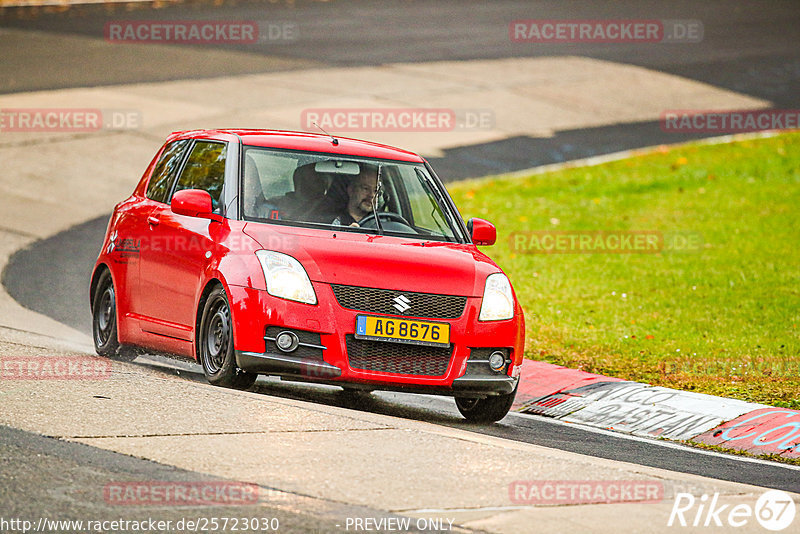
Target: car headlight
286,277
498,300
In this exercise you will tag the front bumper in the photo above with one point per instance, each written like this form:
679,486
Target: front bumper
310,369
285,365
330,327
478,386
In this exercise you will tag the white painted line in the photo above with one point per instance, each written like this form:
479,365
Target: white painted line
658,442
593,161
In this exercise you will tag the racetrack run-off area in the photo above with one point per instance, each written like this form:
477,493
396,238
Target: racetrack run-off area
319,457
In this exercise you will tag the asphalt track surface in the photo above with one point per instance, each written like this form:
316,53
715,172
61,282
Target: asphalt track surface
541,431
748,47
67,301
69,468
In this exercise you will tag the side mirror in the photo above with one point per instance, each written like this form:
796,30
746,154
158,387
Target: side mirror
482,232
193,203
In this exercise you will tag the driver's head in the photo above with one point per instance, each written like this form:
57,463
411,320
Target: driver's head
361,192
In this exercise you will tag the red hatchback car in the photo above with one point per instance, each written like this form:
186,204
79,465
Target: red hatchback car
311,258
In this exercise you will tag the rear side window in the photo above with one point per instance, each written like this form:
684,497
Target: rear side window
205,169
164,172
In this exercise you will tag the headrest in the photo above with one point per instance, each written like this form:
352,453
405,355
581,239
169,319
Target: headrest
308,182
252,179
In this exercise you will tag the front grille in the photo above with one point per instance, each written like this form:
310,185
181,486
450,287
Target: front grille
427,305
384,357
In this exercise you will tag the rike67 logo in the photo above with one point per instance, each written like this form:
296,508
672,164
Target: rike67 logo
774,510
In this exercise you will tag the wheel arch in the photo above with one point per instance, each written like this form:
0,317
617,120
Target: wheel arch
96,275
211,284
116,349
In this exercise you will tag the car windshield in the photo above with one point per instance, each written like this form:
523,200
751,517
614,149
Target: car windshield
346,192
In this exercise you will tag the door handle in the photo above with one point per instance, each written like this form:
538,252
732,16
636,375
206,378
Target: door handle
153,221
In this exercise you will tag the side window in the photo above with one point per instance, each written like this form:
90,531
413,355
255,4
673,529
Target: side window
164,171
274,172
205,169
427,212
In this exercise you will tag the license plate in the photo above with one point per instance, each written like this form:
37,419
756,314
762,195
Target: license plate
403,331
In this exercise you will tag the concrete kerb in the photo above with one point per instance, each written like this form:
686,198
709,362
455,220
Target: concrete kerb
575,396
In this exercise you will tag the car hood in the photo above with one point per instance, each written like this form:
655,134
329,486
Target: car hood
385,262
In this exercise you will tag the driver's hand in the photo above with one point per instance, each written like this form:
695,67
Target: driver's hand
355,225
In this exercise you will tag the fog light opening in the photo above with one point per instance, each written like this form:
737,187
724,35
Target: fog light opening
497,361
287,341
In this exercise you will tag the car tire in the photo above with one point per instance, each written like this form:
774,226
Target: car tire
486,410
104,321
215,344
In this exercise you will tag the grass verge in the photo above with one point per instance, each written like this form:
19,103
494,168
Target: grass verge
716,309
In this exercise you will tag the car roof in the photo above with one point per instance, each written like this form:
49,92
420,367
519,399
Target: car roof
312,142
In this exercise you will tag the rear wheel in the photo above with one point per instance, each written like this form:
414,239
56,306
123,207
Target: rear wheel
215,346
104,321
487,410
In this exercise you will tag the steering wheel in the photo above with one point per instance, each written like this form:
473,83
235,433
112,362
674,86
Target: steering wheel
369,220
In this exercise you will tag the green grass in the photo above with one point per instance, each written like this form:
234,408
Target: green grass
738,452
722,319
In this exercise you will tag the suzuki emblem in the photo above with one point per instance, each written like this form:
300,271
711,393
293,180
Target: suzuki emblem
401,303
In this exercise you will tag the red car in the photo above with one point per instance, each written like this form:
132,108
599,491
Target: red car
312,258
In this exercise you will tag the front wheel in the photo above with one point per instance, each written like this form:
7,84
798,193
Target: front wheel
215,347
487,410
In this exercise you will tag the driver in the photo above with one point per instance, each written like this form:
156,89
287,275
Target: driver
360,193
